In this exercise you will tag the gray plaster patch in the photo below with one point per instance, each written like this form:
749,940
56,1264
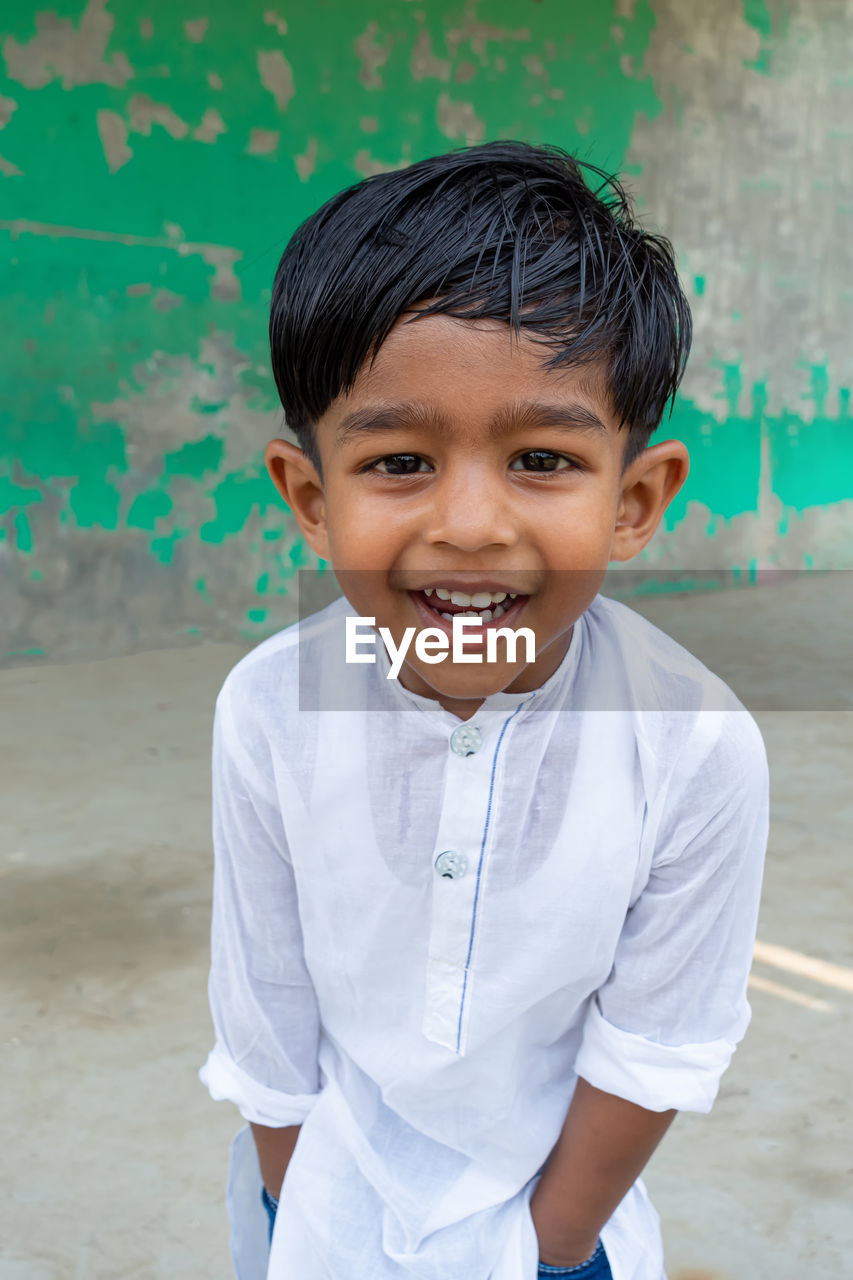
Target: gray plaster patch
307,162
212,125
144,112
372,55
747,172
196,30
276,76
112,131
459,120
424,64
75,54
7,107
262,142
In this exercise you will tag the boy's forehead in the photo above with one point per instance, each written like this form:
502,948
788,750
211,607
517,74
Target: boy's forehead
445,360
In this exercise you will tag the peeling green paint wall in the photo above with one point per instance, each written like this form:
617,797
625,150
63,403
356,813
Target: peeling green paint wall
154,158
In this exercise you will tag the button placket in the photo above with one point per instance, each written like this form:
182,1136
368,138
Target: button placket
457,848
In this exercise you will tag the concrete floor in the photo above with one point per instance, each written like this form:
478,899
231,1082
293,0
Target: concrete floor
114,1157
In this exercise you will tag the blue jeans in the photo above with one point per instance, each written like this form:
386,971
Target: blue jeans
595,1268
270,1204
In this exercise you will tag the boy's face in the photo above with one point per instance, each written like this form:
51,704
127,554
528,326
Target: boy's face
459,462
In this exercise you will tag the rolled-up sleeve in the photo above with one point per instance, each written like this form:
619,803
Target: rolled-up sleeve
262,1000
662,1029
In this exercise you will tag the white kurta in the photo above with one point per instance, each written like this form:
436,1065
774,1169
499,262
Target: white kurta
607,834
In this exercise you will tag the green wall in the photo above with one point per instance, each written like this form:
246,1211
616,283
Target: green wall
154,158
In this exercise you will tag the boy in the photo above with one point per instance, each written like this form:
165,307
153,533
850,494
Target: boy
479,930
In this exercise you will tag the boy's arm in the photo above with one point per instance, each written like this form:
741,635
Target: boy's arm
275,1147
661,1031
262,999
603,1148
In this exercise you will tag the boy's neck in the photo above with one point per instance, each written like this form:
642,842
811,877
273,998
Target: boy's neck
464,708
532,677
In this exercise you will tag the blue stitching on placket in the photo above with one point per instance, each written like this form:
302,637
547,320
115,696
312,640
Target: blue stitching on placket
506,724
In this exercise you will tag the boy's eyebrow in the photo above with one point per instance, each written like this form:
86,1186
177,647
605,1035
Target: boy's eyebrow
572,416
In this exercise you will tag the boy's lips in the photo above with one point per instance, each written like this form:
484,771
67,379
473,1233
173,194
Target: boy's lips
472,586
428,609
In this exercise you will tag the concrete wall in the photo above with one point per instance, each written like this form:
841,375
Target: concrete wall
156,154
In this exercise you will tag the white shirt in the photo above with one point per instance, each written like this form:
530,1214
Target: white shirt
427,1029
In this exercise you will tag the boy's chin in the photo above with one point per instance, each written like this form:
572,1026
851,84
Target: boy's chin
461,684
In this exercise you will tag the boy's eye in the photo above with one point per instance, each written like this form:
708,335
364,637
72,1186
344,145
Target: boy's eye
398,464
541,460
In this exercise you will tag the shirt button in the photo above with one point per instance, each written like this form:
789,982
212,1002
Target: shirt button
451,864
466,740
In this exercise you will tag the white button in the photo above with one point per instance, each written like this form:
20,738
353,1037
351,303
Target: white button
451,864
466,740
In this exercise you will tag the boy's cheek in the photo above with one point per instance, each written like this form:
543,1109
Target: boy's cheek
364,588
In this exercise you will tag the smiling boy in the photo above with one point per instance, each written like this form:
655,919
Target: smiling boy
481,930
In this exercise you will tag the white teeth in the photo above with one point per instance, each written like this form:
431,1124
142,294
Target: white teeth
487,615
479,600
476,605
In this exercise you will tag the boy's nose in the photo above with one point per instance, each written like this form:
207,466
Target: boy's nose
470,509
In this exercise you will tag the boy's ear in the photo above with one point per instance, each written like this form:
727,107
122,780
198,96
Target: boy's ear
298,482
648,487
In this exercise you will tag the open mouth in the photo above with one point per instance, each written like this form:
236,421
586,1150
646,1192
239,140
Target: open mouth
492,608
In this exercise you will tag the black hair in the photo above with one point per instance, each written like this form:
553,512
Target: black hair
505,230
